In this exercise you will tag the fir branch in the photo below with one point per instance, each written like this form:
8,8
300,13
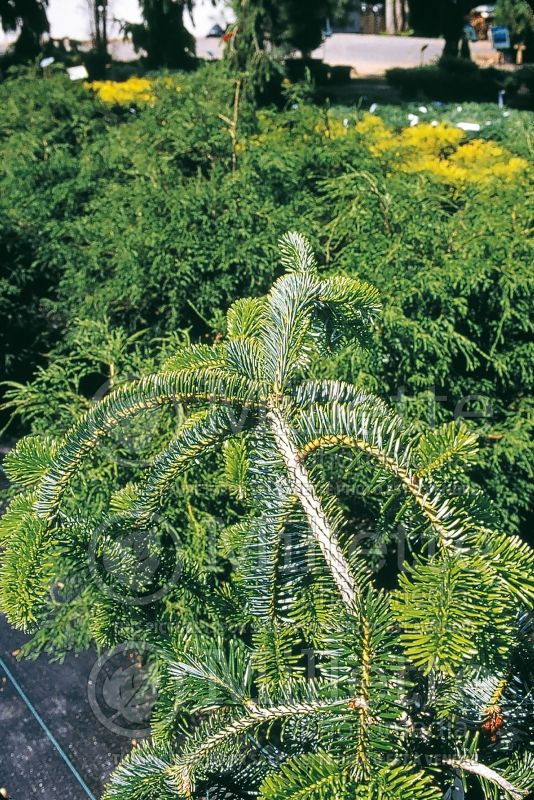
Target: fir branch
488,774
183,769
319,524
185,386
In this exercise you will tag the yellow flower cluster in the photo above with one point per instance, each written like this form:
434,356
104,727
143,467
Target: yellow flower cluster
435,141
438,149
332,128
134,90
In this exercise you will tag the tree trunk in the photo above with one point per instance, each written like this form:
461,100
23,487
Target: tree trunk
104,42
452,24
96,15
395,16
100,23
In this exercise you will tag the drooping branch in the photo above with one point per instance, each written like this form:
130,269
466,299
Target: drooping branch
435,514
193,440
199,386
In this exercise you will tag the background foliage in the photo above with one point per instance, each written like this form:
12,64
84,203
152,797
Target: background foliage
152,214
163,35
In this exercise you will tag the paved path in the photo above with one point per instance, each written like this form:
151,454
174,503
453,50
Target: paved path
371,55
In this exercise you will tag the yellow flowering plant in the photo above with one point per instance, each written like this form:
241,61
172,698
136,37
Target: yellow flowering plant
439,149
134,90
442,151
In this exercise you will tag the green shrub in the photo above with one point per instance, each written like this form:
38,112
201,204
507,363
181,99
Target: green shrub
135,215
45,124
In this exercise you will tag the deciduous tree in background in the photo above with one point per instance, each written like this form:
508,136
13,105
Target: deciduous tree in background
444,18
299,24
518,16
28,16
396,15
98,11
453,17
163,35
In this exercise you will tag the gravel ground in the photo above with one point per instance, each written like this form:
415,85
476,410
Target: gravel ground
30,766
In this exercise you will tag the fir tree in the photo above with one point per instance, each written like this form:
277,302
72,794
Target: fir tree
292,673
